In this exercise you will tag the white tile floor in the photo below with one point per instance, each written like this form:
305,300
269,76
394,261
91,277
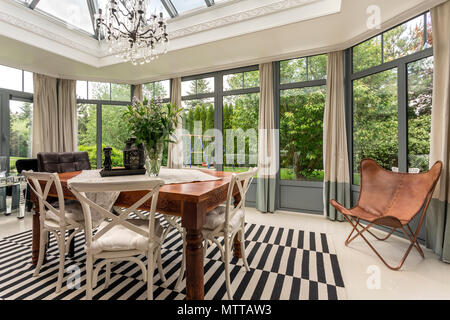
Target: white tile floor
419,278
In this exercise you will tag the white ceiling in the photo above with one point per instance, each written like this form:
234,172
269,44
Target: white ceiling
230,34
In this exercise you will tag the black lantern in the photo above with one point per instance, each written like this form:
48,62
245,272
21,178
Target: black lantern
133,155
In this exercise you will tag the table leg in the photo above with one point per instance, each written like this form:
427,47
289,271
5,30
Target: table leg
36,237
71,245
237,252
193,220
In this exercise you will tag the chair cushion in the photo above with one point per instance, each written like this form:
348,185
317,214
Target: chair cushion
72,210
216,217
120,238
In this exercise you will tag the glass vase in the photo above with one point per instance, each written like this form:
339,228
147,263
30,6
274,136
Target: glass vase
153,158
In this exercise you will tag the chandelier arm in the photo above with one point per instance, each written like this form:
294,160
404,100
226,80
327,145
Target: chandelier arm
121,23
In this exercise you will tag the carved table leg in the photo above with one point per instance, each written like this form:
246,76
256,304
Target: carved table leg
193,220
237,253
36,237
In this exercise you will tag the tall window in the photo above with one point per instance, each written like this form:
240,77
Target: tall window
198,121
20,137
240,120
157,90
100,119
392,90
16,104
302,104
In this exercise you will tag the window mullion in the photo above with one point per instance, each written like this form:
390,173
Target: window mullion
218,120
99,135
402,85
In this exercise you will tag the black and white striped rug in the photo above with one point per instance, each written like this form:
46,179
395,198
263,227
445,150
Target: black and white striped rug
284,264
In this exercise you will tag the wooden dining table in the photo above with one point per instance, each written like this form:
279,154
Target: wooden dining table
190,201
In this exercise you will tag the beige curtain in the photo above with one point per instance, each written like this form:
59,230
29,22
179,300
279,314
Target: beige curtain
67,116
54,115
335,157
175,153
267,137
438,215
137,92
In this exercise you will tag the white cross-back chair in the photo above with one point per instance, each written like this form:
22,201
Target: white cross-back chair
55,217
119,238
227,222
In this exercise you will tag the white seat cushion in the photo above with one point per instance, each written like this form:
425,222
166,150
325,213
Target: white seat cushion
216,218
120,238
72,210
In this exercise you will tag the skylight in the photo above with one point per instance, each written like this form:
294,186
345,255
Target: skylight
74,12
187,5
79,14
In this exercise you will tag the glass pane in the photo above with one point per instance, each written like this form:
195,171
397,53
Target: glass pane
404,39
114,132
186,5
429,31
233,81
317,67
293,70
10,78
87,131
375,121
240,132
28,82
82,90
301,133
420,94
154,7
367,54
120,92
21,114
198,144
199,86
158,89
99,91
74,12
251,79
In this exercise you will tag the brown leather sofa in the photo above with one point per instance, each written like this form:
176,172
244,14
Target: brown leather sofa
63,161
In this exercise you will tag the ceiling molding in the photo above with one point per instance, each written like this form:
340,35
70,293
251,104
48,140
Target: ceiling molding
44,32
239,17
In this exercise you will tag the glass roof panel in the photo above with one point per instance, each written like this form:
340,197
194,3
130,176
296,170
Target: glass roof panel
74,12
186,5
154,6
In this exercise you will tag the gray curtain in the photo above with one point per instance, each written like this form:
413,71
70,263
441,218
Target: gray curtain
175,153
55,127
335,157
438,216
267,156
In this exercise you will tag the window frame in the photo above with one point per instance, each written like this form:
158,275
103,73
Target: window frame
218,94
278,87
401,64
99,106
5,121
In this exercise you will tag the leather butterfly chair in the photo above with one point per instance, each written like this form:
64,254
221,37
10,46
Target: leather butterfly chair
392,200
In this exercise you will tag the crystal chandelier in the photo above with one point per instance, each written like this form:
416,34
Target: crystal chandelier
131,32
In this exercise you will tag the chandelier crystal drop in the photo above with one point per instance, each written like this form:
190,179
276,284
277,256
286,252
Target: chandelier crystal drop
130,31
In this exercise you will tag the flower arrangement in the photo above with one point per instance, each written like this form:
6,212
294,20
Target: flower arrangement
152,123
